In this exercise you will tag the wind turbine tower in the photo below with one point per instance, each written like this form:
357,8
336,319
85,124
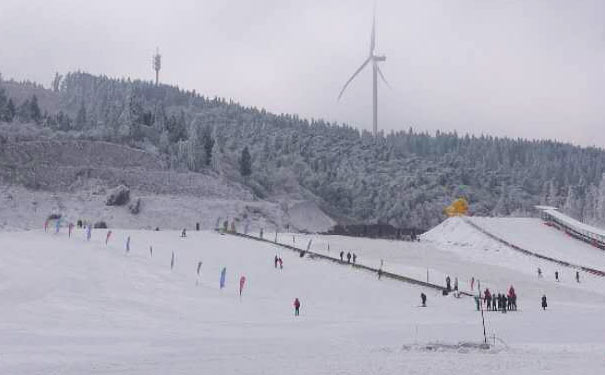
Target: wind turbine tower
374,59
157,65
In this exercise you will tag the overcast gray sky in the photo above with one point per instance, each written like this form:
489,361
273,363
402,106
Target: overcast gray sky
527,68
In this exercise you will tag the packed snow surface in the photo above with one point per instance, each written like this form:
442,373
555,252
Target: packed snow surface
71,306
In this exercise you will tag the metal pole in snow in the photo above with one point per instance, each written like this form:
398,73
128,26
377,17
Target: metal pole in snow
481,306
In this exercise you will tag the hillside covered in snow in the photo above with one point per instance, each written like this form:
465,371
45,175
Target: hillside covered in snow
189,144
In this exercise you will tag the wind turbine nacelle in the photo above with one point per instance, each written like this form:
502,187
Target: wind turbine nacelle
380,58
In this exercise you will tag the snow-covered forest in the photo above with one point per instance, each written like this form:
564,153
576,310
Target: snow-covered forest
405,178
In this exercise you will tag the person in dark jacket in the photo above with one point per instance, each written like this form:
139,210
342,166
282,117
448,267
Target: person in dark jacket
275,260
487,296
544,304
448,283
577,276
296,307
423,298
557,275
348,257
342,253
494,302
354,258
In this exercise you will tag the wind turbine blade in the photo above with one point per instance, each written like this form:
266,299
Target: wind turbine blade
382,76
354,75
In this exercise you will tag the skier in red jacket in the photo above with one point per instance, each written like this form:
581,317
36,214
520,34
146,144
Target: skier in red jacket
296,307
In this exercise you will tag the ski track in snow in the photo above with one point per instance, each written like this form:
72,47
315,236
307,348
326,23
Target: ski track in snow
73,307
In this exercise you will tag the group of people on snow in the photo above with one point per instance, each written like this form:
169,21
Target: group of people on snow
557,275
350,256
278,261
500,301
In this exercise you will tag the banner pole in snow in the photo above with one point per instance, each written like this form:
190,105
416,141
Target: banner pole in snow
242,281
199,266
223,275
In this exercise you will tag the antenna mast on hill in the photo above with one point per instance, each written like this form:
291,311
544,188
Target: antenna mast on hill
157,65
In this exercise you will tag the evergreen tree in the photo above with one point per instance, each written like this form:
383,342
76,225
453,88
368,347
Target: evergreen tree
80,122
56,83
245,163
11,111
35,112
208,143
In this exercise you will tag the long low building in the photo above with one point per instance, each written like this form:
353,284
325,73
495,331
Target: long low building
584,232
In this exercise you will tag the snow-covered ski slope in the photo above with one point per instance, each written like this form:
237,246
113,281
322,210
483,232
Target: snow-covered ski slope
72,307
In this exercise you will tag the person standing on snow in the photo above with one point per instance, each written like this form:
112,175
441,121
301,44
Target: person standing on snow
544,304
348,257
296,307
577,276
557,275
275,260
342,253
354,258
487,296
281,263
448,283
423,298
539,272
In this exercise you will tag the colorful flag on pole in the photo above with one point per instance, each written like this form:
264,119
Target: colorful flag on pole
242,281
223,275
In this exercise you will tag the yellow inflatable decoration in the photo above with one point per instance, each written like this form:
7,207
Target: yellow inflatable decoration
458,208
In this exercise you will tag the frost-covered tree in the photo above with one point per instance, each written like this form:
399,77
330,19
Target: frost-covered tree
245,163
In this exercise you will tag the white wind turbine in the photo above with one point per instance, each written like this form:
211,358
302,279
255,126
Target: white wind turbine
375,59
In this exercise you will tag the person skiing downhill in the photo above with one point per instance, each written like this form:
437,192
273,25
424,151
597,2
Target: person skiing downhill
296,307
